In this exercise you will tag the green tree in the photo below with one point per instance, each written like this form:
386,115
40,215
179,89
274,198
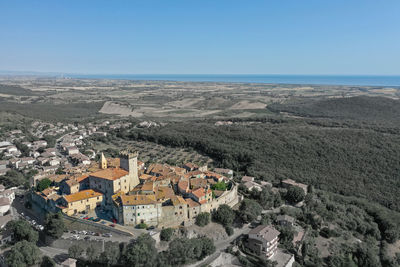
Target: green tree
249,210
75,251
22,230
183,250
47,262
43,184
224,215
110,255
141,252
91,253
295,194
23,254
166,234
55,225
219,186
202,219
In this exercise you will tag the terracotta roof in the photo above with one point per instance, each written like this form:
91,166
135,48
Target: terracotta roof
84,194
197,182
110,173
191,165
71,182
199,193
164,192
178,200
132,200
191,203
149,186
147,177
159,169
82,177
183,185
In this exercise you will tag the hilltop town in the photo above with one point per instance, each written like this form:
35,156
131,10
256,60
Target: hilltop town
159,195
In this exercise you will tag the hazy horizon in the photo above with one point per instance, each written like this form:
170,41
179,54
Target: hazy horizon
207,37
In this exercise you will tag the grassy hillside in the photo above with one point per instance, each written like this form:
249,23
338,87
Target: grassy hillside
373,109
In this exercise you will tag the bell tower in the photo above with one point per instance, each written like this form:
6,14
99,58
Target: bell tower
103,162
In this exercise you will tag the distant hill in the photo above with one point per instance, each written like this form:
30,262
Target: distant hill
379,109
15,90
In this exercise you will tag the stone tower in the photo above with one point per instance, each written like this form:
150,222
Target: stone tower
103,162
128,162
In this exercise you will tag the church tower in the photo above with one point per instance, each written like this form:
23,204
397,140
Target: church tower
103,162
128,162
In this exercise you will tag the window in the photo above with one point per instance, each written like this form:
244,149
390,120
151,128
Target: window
138,214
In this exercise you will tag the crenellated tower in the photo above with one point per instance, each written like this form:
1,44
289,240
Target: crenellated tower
128,162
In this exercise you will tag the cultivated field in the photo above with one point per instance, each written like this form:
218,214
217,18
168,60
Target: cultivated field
164,99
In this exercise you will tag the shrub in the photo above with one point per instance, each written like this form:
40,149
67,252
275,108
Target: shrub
203,219
141,226
229,230
166,234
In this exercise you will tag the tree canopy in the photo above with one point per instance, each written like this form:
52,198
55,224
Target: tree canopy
54,226
224,215
22,230
202,219
23,254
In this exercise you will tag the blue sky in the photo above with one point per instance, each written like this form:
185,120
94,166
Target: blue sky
197,37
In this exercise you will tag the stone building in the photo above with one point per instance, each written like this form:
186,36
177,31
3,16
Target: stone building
136,209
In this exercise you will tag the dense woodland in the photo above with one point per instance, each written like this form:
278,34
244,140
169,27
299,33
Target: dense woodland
351,161
363,108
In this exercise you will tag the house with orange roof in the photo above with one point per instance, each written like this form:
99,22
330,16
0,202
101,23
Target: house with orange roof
197,183
82,201
201,195
183,187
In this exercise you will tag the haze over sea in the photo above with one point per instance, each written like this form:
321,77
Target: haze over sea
361,80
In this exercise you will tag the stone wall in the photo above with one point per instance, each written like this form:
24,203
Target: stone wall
171,216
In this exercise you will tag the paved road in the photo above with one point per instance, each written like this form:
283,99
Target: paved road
221,245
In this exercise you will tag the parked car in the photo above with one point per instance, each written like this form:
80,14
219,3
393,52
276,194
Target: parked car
151,228
87,237
97,220
85,218
107,235
112,225
91,219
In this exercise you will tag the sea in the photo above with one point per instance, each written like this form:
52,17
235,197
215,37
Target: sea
350,80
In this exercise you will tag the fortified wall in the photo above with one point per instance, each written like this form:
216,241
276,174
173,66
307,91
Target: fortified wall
173,216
